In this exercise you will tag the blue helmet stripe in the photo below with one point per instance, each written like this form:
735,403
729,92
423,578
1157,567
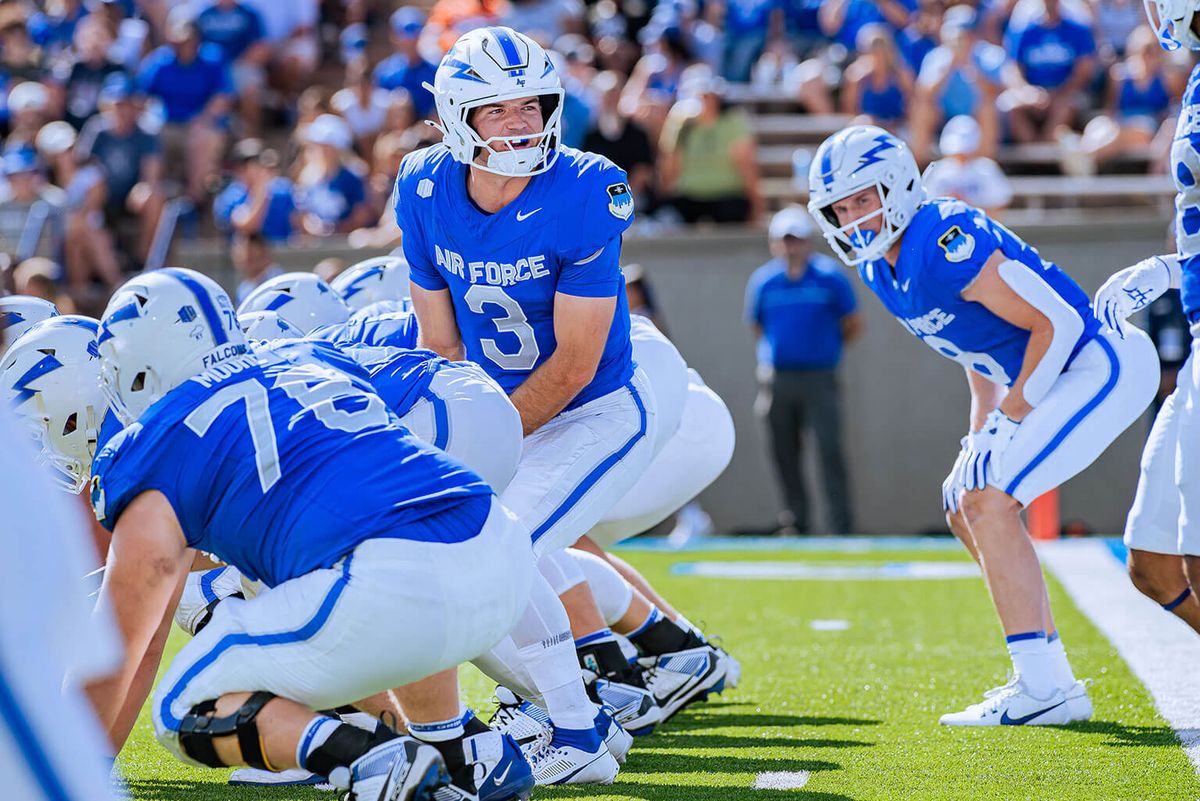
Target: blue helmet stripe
356,285
206,305
278,301
511,56
45,365
827,166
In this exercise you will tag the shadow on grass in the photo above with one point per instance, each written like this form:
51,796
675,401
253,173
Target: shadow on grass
186,790
659,762
700,740
1120,734
713,792
699,719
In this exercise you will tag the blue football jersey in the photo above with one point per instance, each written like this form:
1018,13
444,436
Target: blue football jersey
503,270
281,461
386,329
1185,168
943,249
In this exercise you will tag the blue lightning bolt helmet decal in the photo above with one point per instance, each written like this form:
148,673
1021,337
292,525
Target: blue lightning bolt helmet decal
45,365
883,142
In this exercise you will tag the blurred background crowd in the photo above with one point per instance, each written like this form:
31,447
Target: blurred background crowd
129,124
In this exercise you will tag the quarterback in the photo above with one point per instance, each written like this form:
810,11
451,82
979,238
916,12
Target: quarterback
1050,387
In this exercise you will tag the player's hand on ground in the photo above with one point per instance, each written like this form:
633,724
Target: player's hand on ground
1132,290
952,487
984,450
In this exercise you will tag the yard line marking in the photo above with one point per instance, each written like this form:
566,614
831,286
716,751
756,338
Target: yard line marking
829,625
829,571
784,780
1160,648
835,544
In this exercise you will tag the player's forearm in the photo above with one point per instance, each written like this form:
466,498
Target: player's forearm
548,390
140,686
985,398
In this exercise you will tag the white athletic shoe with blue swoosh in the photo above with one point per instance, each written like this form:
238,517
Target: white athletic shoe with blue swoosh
1013,705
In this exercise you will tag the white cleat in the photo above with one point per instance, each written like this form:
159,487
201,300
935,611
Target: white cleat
296,777
679,678
574,757
1079,705
1012,705
733,669
521,720
635,708
402,769
614,735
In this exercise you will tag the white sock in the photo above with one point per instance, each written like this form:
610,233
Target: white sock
543,639
1063,676
1032,662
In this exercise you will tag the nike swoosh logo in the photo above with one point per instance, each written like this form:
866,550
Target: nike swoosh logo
1005,720
522,216
499,780
904,286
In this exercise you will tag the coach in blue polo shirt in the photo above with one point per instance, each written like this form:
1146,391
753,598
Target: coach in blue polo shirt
803,310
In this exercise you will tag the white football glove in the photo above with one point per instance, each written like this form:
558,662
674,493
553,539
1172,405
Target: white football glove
952,487
1133,289
985,448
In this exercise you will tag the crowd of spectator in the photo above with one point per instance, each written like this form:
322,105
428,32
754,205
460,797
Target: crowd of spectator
274,122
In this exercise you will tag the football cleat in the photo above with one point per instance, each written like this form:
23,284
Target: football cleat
501,771
1079,705
574,756
615,737
1012,705
525,723
296,777
635,708
733,670
679,678
402,769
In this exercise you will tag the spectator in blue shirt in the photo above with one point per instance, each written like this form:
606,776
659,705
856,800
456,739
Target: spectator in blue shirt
258,200
237,29
841,20
53,30
130,158
1057,56
193,83
331,191
407,68
919,38
802,310
748,25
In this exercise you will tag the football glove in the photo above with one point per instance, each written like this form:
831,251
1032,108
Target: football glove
985,448
952,487
1133,289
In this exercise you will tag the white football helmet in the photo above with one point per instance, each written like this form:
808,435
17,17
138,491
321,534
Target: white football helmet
51,377
267,326
1172,21
490,65
854,159
373,280
303,299
159,330
19,313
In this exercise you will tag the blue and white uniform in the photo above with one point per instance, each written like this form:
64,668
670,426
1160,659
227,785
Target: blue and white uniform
52,748
1107,381
454,406
285,464
562,234
1165,517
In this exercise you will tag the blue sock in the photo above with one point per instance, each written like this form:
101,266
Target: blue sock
603,635
583,739
1182,597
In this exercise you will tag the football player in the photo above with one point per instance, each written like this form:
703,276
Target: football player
1161,531
1050,387
513,245
18,313
235,452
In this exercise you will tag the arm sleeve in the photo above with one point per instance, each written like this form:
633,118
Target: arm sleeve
1064,320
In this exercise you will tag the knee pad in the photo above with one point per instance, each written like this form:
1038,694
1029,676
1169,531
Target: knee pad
200,726
612,592
561,571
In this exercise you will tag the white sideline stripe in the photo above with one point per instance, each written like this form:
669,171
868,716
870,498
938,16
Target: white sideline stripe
828,571
1160,648
829,625
787,780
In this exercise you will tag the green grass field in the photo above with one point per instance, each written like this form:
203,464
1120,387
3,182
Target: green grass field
857,709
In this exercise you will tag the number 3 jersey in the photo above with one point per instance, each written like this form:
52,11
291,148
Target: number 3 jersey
281,461
942,252
561,234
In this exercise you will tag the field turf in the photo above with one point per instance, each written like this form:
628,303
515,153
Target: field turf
855,709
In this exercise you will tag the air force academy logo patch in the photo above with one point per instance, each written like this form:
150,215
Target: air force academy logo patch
958,246
620,201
